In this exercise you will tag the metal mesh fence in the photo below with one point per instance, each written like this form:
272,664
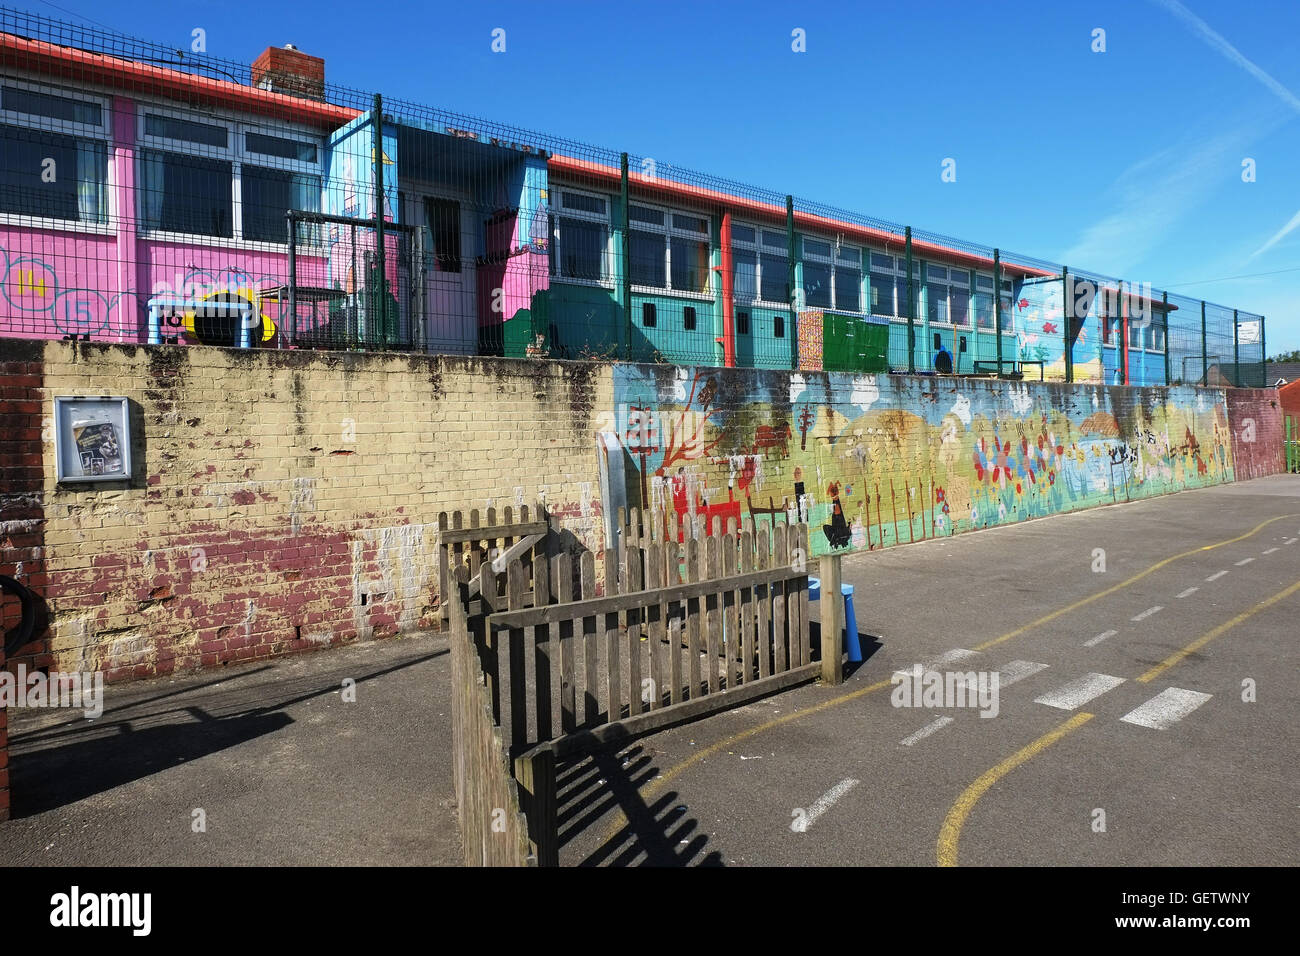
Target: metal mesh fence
149,194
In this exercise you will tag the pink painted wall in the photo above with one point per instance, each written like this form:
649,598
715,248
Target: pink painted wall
71,281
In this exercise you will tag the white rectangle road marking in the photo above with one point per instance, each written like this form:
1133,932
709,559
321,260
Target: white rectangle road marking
1188,592
1166,708
1094,641
1290,541
948,657
824,803
1269,551
1078,692
926,731
1243,562
1147,613
1010,674
1216,575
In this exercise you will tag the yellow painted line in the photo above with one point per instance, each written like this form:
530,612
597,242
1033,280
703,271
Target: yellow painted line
1123,584
673,772
1208,636
952,824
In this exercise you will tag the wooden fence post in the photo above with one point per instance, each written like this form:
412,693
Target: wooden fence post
535,773
832,616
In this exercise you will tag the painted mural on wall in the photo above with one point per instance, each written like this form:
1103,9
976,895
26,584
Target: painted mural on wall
874,460
67,293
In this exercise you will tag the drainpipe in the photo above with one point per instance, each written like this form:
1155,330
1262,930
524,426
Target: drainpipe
728,296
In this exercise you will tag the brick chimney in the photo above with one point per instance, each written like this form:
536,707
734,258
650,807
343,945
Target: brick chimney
288,70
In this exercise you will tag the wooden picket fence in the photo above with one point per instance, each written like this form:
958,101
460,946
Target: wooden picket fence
493,825
693,618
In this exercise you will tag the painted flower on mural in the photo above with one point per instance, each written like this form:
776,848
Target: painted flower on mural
940,523
974,516
941,498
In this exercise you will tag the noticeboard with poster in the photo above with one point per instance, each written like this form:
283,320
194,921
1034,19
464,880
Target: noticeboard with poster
92,438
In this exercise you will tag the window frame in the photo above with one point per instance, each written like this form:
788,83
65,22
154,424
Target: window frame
834,261
669,231
238,155
760,249
48,124
560,211
896,271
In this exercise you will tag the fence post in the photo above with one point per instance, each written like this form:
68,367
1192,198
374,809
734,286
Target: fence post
379,299
1164,317
1067,320
624,254
1236,353
1121,306
535,774
997,305
911,304
832,620
789,279
291,285
1263,356
1205,350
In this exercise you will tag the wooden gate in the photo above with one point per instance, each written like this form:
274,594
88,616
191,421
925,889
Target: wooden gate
678,621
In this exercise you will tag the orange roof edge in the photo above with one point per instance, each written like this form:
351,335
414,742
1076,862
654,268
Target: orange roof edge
568,164
115,72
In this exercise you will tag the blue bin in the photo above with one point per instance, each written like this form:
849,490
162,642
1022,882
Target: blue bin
850,617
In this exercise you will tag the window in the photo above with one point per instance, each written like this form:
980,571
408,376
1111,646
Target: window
648,314
774,267
889,284
207,177
832,275
688,318
54,153
1155,332
848,279
668,250
778,326
984,301
189,194
442,216
936,293
959,296
1008,305
581,233
742,323
648,265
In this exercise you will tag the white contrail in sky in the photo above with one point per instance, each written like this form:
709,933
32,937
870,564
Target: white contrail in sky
1216,40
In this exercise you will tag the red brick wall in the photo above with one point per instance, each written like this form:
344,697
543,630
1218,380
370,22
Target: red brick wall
1255,419
22,493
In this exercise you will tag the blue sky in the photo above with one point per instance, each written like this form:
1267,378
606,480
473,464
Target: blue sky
1127,162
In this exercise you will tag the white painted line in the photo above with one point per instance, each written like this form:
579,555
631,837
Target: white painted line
1188,592
926,731
1018,671
1166,708
824,803
1010,674
1269,551
948,657
1290,541
1093,642
1244,561
1079,692
1147,613
1216,576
